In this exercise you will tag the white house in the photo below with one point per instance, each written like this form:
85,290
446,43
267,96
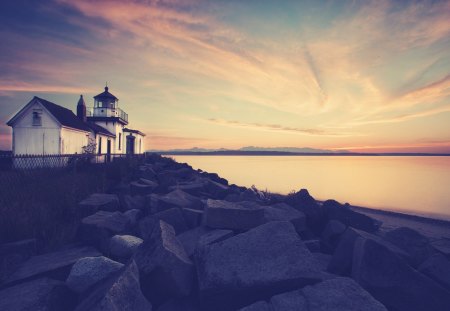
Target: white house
42,127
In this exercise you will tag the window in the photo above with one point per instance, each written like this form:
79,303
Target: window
37,118
120,141
100,145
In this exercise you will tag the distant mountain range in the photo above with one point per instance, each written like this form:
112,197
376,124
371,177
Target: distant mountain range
249,150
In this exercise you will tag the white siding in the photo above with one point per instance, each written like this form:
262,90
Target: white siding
31,139
73,141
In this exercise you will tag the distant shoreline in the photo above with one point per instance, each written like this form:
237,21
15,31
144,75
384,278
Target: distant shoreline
281,153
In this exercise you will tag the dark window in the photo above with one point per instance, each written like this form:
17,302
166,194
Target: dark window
37,118
120,141
99,145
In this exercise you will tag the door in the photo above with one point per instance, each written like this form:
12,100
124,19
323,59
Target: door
130,144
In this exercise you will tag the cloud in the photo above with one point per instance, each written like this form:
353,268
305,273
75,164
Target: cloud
279,128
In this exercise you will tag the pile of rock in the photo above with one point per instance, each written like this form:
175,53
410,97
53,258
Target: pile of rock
181,239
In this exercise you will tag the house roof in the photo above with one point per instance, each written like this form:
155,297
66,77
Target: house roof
106,94
133,131
99,129
64,116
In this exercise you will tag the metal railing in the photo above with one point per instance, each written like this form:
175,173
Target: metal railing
106,112
30,162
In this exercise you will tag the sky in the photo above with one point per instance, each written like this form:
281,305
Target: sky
366,76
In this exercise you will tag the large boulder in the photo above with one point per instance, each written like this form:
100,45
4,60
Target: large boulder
193,217
415,244
99,202
133,202
305,203
56,265
253,265
42,294
392,281
143,188
214,236
227,215
176,198
97,229
342,260
338,294
437,267
173,216
166,270
121,291
257,306
285,212
343,213
123,247
89,270
189,239
331,234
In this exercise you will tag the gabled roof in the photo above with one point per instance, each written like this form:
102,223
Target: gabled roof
99,129
133,131
63,115
106,94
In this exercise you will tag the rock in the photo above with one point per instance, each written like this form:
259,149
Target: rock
122,247
13,254
133,202
133,215
338,294
257,306
89,270
167,271
250,266
313,245
146,226
56,265
174,217
121,291
348,217
147,172
330,235
193,217
246,195
180,304
227,215
443,246
42,294
284,212
393,282
97,229
150,182
169,177
341,262
214,236
437,267
176,198
137,188
99,202
305,203
323,260
189,239
415,244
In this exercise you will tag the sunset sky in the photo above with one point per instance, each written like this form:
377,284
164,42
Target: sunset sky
354,75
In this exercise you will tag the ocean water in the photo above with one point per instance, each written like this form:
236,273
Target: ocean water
417,185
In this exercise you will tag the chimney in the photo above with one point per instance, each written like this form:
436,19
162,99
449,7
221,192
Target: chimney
81,109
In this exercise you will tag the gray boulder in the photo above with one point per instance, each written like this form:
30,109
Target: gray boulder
313,245
214,236
56,264
258,306
342,260
166,270
305,203
415,244
133,202
172,216
335,210
228,215
393,282
42,294
189,239
176,198
331,234
89,270
133,215
121,291
293,300
284,212
139,188
122,247
437,267
442,246
193,217
99,202
97,229
250,266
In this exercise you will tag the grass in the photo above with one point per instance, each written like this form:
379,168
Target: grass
42,203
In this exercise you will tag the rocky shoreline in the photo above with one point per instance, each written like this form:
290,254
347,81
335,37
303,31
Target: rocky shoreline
182,239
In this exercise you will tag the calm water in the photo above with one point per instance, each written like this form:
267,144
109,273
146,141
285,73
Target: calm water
420,185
